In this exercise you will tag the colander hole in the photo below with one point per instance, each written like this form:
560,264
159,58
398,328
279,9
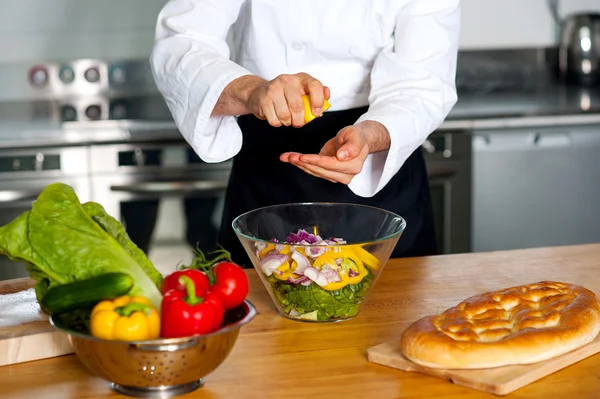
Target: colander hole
161,363
148,363
184,364
183,356
155,357
165,355
143,357
167,368
171,361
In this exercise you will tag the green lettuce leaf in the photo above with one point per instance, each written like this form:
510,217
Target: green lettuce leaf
117,231
342,303
60,242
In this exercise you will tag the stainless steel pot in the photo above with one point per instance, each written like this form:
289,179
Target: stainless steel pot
579,49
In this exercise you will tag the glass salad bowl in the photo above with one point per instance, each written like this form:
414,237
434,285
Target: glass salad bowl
319,261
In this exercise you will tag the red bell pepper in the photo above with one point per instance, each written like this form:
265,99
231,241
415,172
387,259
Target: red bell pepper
183,314
171,282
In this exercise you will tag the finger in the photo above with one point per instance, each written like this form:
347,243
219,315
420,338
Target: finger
351,144
268,110
316,95
281,108
294,157
329,149
293,96
310,172
330,163
326,174
327,92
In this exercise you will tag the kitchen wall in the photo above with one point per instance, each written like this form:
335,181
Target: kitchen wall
31,30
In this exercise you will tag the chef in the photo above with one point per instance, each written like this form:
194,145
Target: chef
387,67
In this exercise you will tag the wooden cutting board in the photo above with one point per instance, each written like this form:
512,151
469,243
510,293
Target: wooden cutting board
497,381
25,333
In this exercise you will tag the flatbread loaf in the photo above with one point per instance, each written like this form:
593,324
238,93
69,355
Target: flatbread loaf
518,325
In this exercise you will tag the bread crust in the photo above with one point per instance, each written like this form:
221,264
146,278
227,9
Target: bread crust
518,325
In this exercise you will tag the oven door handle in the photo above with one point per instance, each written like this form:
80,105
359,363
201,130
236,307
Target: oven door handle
172,187
12,196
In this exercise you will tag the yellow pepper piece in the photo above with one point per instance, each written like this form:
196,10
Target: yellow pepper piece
368,258
266,250
345,279
285,250
308,115
126,319
327,258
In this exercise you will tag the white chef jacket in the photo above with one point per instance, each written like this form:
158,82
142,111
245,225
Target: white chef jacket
396,56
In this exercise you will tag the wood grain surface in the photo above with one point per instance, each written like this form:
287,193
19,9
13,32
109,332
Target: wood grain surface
279,358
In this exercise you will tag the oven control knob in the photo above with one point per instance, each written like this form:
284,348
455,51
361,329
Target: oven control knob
38,76
92,75
118,111
93,112
66,74
68,113
117,75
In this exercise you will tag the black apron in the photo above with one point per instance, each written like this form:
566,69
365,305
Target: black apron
258,178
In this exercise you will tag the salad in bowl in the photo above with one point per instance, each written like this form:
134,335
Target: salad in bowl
312,278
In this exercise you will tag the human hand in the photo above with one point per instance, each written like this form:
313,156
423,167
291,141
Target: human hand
279,101
343,157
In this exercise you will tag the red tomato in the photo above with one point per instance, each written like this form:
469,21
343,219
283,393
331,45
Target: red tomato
171,282
231,285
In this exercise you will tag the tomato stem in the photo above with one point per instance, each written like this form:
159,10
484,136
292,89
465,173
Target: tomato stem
202,263
190,289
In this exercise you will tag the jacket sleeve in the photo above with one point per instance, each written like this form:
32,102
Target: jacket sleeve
412,86
191,66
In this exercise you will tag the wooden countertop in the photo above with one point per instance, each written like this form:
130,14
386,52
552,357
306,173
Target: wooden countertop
279,358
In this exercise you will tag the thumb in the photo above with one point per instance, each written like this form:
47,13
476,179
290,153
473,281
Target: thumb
349,144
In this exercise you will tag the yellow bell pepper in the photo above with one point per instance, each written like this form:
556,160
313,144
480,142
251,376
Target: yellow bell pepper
266,250
308,115
328,258
126,318
369,259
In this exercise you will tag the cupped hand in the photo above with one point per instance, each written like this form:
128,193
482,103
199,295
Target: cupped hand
343,157
340,159
279,101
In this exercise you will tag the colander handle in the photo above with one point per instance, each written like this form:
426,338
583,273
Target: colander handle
168,347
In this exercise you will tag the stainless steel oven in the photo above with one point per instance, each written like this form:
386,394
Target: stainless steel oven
25,173
448,158
164,195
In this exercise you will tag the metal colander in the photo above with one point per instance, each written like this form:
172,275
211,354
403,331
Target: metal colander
160,368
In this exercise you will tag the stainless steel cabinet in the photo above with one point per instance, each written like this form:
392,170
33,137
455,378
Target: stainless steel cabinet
536,187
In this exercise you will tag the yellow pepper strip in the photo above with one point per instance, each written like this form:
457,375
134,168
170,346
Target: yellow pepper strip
266,250
125,319
285,250
369,259
308,115
284,276
327,258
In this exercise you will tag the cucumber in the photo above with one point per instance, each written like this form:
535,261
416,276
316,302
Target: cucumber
85,293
